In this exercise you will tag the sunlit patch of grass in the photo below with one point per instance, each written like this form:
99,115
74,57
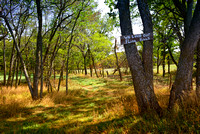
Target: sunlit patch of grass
93,105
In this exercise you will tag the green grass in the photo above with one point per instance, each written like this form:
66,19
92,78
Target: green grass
93,105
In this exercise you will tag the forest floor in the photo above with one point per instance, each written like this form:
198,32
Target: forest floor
93,105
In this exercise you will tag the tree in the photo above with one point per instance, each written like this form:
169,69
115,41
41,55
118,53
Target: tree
198,71
182,85
4,16
38,49
117,60
142,72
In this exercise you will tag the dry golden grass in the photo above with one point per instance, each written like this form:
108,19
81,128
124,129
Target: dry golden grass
92,106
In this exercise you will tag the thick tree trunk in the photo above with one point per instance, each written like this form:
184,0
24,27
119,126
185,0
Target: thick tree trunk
117,61
4,61
141,75
182,85
198,71
188,17
37,58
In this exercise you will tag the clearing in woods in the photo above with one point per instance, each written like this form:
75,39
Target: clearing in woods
93,105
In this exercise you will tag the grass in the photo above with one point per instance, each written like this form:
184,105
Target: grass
93,105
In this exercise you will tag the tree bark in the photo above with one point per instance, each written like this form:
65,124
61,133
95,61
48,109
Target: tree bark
4,61
37,57
17,72
61,74
182,85
20,77
141,75
168,61
198,71
13,73
85,64
95,70
11,65
117,60
91,70
163,60
158,59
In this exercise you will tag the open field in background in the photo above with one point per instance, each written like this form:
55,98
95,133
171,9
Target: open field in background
93,105
110,71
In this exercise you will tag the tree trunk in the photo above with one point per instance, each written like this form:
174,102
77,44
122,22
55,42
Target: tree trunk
182,85
20,77
50,67
163,60
67,71
20,56
168,61
198,71
17,72
169,72
91,71
37,58
171,55
117,61
85,65
142,76
13,75
4,61
11,65
103,72
158,60
95,70
61,74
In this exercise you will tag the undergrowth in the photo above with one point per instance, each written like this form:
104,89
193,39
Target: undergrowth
93,105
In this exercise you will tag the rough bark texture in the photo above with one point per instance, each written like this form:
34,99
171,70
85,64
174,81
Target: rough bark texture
143,87
182,84
147,54
37,58
188,17
198,71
